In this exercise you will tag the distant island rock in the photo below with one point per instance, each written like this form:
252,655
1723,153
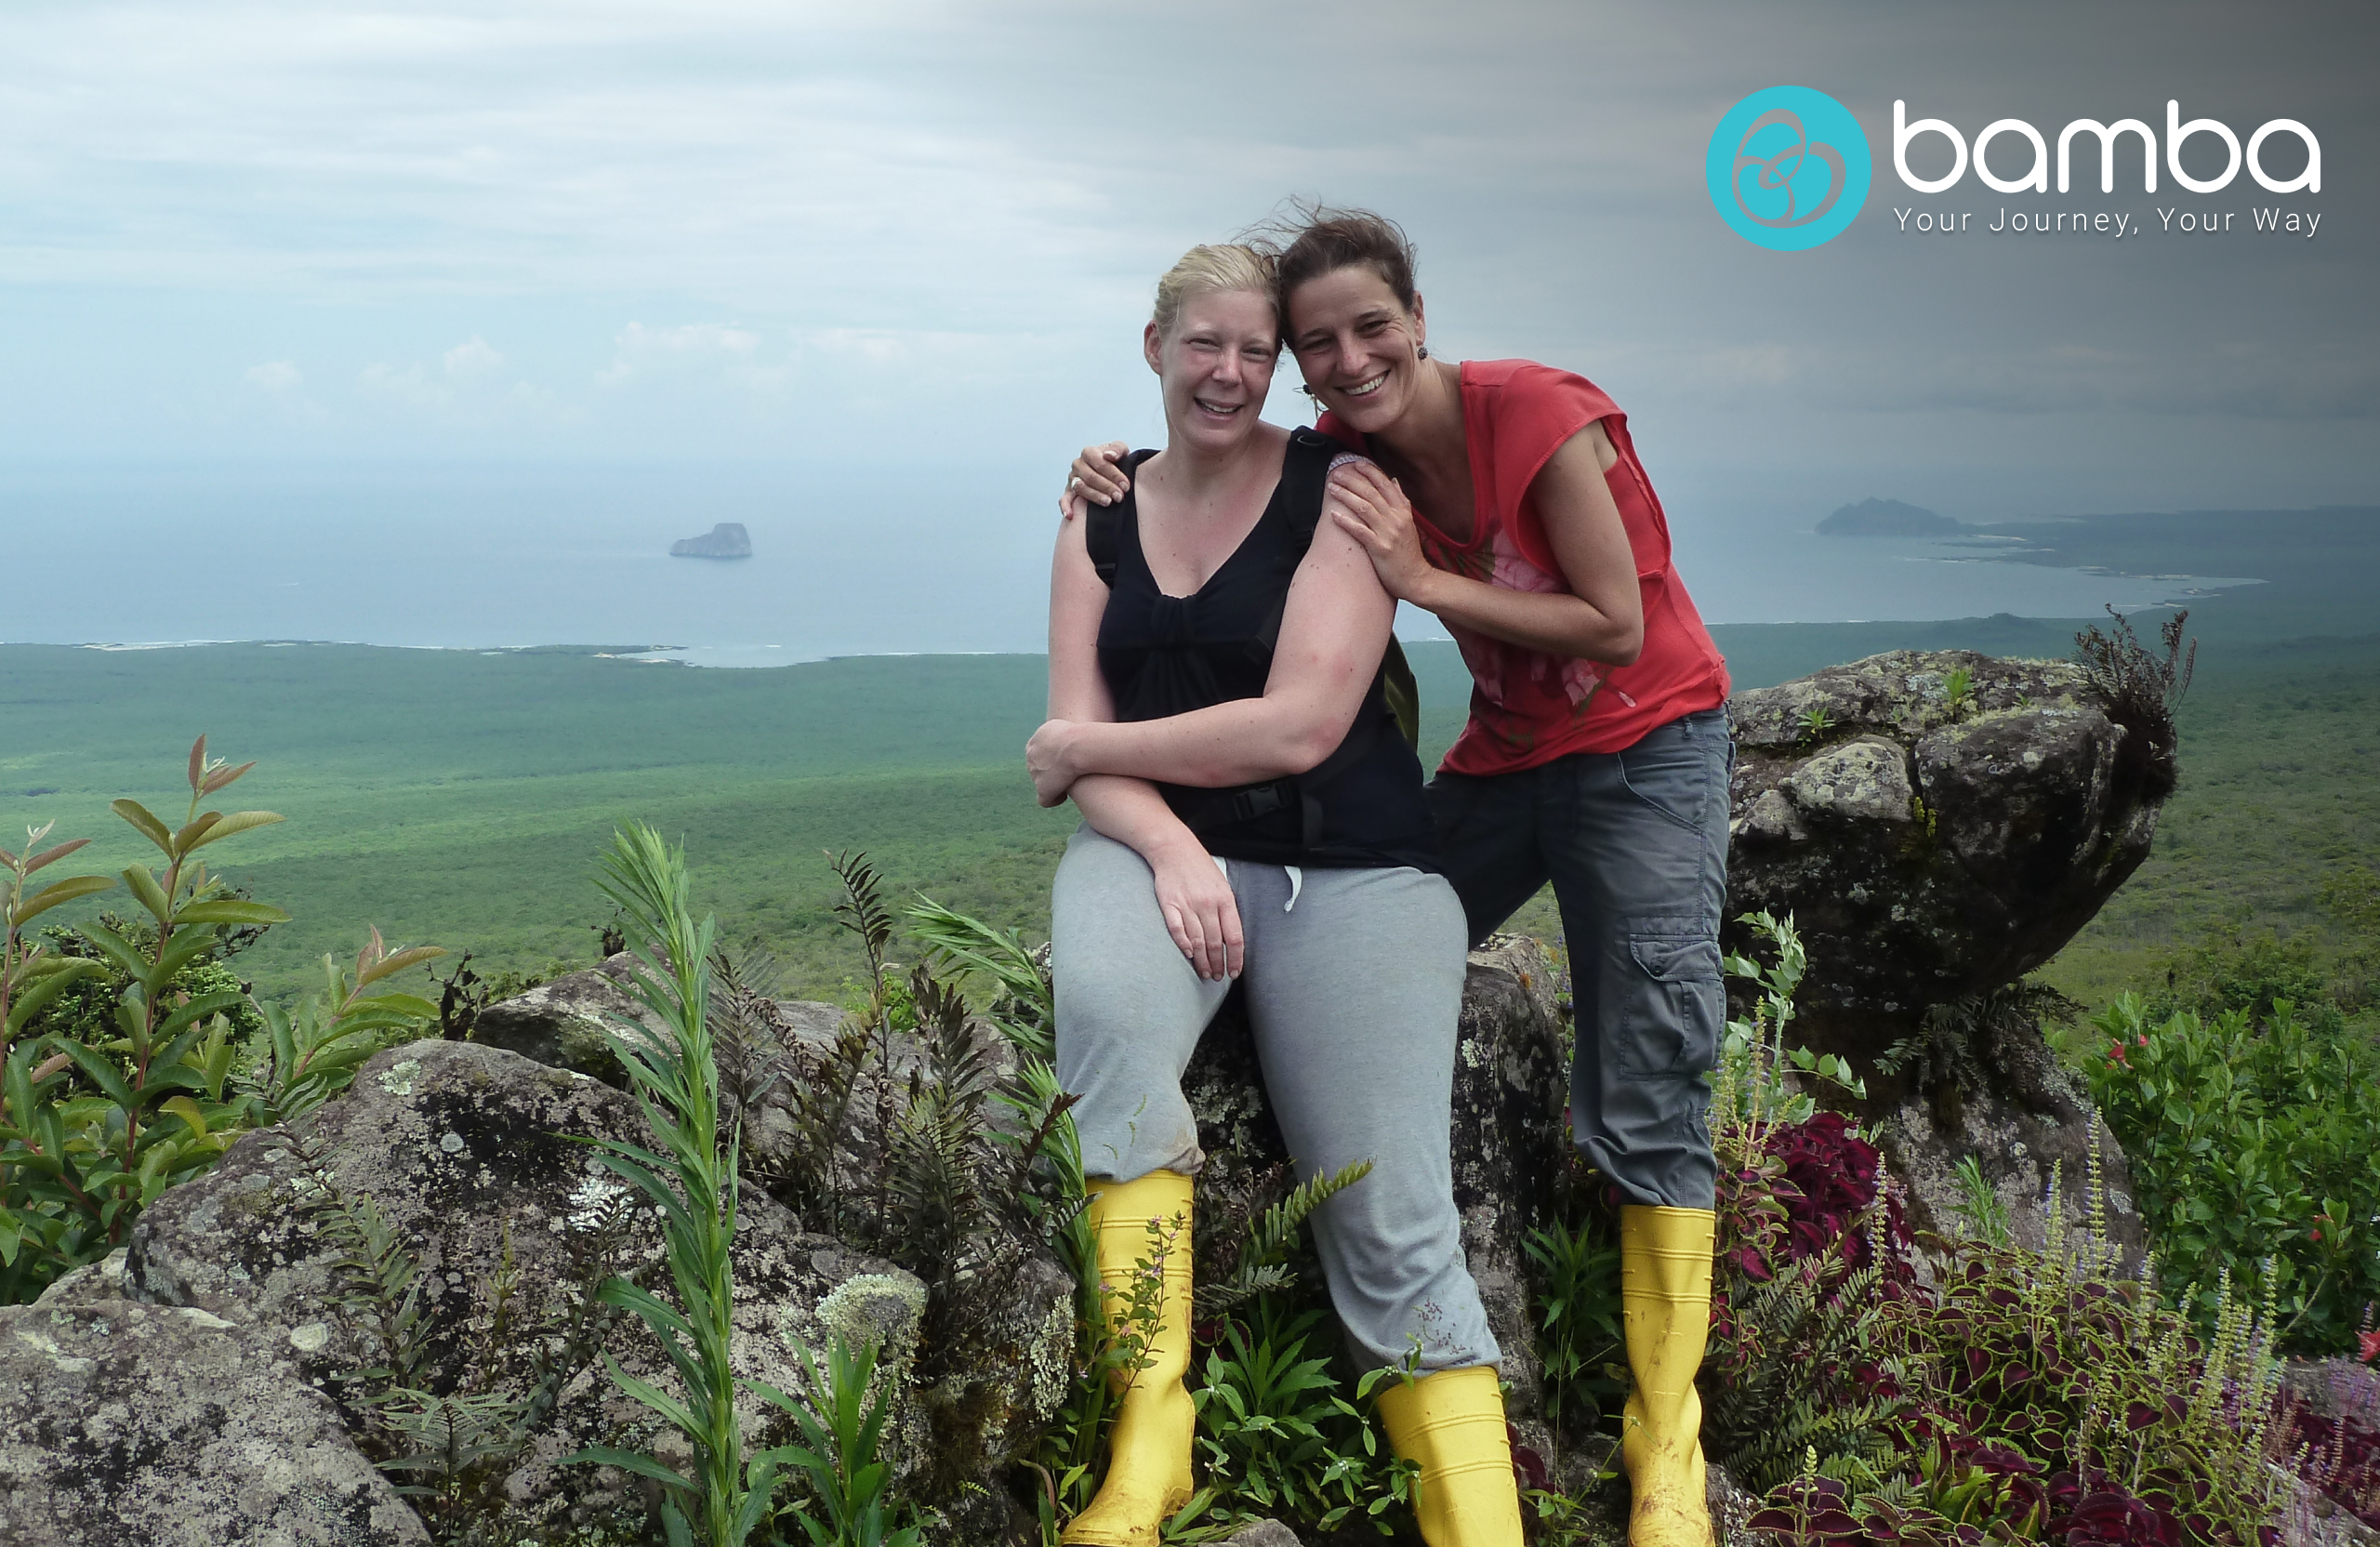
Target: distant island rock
727,540
1885,518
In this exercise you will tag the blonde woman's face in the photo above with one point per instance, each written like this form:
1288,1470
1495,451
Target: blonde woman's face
1216,365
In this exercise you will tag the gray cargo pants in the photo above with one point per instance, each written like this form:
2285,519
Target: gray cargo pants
1635,843
1354,982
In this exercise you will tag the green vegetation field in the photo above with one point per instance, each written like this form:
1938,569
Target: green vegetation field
459,799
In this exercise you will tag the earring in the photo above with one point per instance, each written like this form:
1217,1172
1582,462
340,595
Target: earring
1421,353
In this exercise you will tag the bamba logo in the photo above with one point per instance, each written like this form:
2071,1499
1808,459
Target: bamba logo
2035,177
1789,168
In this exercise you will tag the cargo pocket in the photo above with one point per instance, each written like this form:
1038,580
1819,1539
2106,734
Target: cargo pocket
1669,1025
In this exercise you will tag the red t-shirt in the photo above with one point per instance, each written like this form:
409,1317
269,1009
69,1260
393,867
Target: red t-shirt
1526,707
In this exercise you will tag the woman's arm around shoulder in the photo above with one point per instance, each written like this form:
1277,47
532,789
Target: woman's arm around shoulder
1600,617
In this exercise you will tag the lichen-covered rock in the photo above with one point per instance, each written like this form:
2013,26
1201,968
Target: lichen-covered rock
1928,849
1509,1148
564,1023
1005,1349
996,1395
92,1282
1510,1088
1933,846
2032,1121
132,1425
471,1156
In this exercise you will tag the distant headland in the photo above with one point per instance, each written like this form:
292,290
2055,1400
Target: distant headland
1886,518
727,540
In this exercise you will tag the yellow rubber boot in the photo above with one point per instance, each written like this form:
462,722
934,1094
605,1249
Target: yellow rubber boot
1148,1450
1665,1294
1452,1423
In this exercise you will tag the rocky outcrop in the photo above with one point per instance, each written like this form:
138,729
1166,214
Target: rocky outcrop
471,1156
727,540
132,1425
567,1024
1939,825
1929,848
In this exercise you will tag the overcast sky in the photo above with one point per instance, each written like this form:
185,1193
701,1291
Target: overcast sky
924,234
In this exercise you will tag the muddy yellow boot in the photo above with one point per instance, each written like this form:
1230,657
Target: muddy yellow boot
1665,1292
1452,1422
1148,1450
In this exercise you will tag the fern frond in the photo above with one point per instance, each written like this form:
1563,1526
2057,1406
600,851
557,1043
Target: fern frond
1272,1235
1210,1301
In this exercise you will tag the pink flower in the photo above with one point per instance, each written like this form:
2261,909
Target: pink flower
2371,1348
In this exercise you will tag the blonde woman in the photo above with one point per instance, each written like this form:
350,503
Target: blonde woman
1250,811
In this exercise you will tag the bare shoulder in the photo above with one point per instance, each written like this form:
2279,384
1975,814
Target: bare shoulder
1594,439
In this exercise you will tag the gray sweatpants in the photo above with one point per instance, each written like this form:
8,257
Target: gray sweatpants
1353,986
1635,843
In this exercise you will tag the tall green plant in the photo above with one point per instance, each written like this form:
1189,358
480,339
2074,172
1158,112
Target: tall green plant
692,1183
2251,1140
31,976
79,1167
841,1426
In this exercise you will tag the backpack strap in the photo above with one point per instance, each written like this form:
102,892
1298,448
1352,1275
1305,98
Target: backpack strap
1103,525
1304,470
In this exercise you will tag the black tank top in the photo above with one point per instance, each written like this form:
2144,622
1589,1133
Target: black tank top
1362,807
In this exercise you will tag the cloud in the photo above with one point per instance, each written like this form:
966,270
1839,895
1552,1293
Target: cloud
638,349
472,357
411,385
276,376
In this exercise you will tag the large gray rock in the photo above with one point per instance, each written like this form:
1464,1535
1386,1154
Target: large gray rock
131,1425
1932,850
1510,1149
567,1024
469,1153
1001,1363
1928,851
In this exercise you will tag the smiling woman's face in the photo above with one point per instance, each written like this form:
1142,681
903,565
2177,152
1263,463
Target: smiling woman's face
1216,365
1356,344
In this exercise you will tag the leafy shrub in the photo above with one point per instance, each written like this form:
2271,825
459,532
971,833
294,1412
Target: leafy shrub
2000,1393
2250,1138
2233,967
98,1117
1581,1338
1280,1437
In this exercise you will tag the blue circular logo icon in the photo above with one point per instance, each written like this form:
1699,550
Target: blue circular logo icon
1787,168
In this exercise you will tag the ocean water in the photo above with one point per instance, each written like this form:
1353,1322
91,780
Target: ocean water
951,561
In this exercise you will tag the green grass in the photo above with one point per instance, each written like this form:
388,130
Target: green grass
460,799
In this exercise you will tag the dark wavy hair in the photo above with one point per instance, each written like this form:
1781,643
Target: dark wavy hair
1312,240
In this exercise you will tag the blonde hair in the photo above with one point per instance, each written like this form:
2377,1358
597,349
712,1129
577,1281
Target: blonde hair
1212,269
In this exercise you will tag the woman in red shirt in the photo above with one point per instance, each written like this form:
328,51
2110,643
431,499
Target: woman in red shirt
1506,497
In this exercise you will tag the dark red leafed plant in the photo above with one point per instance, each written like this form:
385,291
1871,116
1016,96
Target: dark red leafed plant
1833,1180
2338,1456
